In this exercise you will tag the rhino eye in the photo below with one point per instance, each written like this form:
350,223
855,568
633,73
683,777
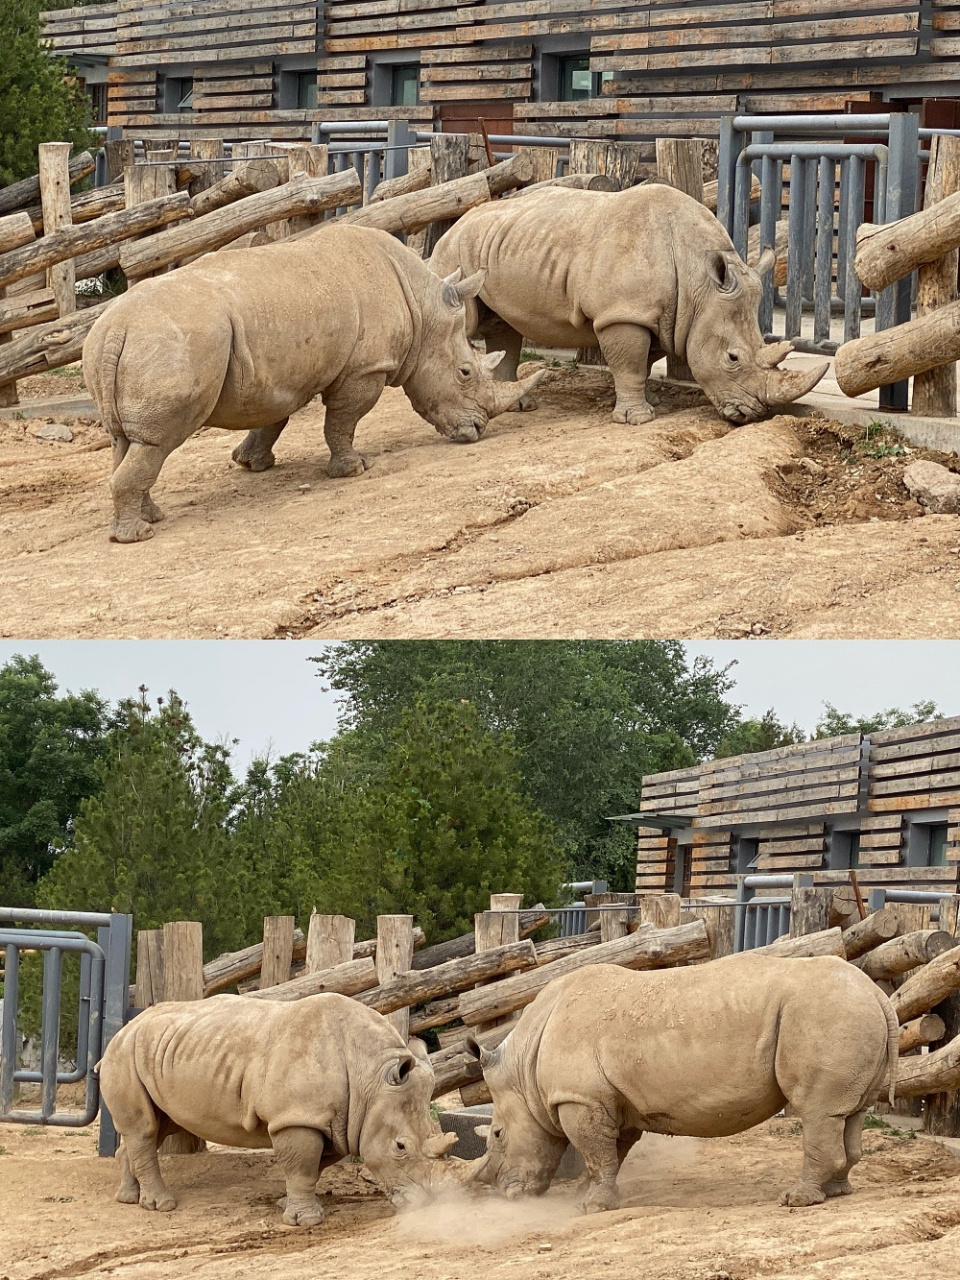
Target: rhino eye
401,1146
465,371
733,357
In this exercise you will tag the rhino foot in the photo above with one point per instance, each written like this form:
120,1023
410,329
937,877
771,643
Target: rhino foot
130,531
349,465
842,1188
804,1193
253,459
302,1213
163,1201
129,1195
599,1199
633,414
150,511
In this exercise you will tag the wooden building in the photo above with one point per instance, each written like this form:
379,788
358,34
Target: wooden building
611,68
887,805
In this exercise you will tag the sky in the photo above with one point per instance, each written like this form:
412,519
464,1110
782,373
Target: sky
266,693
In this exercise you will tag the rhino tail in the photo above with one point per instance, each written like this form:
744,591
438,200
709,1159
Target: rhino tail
109,363
893,1043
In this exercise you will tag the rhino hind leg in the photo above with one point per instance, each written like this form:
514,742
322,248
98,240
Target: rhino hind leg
255,450
299,1152
133,478
500,336
129,1190
853,1145
825,1159
626,352
596,1136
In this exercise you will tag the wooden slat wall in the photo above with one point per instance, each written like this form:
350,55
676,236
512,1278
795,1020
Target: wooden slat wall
917,767
156,33
675,791
85,30
655,854
131,95
477,72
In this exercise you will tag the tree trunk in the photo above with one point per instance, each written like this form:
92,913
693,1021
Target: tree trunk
54,160
577,181
909,951
16,229
149,984
84,207
27,190
420,985
656,948
878,927
48,346
619,160
928,986
214,230
878,359
662,910
680,162
923,1030
935,392
449,159
828,942
888,252
436,1014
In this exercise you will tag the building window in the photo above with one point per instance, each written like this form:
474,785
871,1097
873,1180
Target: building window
98,103
937,848
747,854
306,90
843,850
578,81
405,85
177,94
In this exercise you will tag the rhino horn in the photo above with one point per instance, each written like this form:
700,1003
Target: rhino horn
768,357
766,262
440,1144
505,396
786,385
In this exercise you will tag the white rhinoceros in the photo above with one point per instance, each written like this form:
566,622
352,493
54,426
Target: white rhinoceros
605,1054
640,273
242,339
316,1079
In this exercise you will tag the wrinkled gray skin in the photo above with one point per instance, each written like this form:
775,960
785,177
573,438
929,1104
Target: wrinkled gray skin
606,1054
243,339
640,273
315,1079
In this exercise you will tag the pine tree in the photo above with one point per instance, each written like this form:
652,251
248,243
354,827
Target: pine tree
40,99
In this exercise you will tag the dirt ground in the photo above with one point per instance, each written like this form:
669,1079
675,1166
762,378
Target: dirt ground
692,1210
558,522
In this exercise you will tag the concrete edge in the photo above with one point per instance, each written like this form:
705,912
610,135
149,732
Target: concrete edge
62,406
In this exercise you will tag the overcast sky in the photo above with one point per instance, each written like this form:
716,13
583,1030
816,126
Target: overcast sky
266,693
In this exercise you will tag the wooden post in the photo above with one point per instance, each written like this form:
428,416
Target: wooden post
211,152
941,1111
143,182
935,391
680,162
544,160
419,158
55,202
449,158
395,956
149,982
620,160
119,153
492,929
809,906
330,942
313,160
662,910
277,950
182,980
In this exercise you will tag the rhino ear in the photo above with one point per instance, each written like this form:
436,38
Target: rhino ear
722,271
486,1057
418,1048
399,1071
492,359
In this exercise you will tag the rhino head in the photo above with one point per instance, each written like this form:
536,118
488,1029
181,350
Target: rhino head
725,349
451,384
399,1141
522,1153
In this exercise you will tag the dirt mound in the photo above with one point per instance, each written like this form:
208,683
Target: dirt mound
559,522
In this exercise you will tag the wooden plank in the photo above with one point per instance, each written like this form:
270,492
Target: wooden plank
482,92
54,163
149,983
183,960
478,73
933,801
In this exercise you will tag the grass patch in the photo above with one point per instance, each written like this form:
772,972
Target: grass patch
889,1130
878,440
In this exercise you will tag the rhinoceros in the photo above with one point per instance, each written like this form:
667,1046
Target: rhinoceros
640,273
605,1054
242,339
316,1079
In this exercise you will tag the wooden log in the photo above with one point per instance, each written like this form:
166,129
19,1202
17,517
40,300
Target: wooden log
213,166
393,960
277,950
16,264
680,162
935,391
619,160
721,923
828,942
212,231
878,359
928,986
877,928
16,229
48,345
941,1110
935,1072
475,1094
556,948
809,909
245,180
920,1031
843,907
330,942
234,966
543,160
578,181
27,191
710,192
182,980
656,948
415,180
454,1067
119,153
755,248
148,989
54,160
419,985
346,979
449,159
150,180
84,207
313,160
899,955
466,944
435,1014
890,251
662,910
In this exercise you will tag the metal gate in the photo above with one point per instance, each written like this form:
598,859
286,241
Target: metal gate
826,200
761,920
103,1002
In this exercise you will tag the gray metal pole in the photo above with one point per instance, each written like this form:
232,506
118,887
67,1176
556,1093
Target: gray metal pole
902,183
8,1027
115,940
50,1030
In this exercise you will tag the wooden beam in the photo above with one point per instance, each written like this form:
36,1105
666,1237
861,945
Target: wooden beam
394,958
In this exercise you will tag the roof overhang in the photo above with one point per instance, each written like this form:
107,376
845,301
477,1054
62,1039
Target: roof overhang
665,821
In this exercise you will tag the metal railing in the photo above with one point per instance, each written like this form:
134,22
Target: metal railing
760,921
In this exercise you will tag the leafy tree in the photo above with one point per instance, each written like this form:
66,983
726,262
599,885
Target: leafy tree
758,735
833,722
40,99
50,747
588,719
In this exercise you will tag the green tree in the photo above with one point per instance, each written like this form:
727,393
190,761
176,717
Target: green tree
50,747
758,735
40,98
833,722
588,719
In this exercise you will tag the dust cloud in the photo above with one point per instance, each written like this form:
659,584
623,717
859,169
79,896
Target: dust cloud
463,1217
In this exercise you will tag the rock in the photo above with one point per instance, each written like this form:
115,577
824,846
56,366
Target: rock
933,486
54,431
812,467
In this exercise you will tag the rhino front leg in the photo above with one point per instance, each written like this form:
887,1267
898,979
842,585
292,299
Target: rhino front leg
596,1136
255,450
626,351
346,403
299,1152
129,1190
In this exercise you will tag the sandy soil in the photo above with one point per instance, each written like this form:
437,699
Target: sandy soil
692,1210
558,522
